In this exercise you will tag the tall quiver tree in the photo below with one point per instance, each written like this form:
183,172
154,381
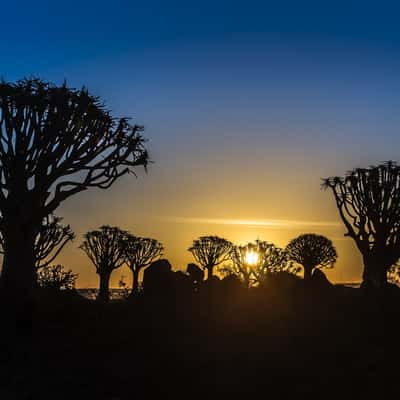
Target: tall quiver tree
106,248
368,200
140,253
312,251
54,143
210,251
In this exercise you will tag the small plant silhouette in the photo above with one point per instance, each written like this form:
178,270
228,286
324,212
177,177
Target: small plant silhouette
123,286
56,278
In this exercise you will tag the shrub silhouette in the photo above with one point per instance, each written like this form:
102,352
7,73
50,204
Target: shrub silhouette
283,280
210,251
140,253
56,278
312,251
368,202
68,142
106,248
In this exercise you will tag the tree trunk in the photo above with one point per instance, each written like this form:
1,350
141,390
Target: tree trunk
18,277
210,271
307,272
135,284
104,292
374,275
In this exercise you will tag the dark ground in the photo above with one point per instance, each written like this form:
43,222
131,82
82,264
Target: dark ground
336,343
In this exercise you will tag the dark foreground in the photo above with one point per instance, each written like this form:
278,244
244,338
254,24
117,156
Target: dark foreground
331,343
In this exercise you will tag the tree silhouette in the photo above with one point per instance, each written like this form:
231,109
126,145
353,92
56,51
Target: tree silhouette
239,267
368,200
268,259
54,143
140,253
50,240
312,251
106,248
210,251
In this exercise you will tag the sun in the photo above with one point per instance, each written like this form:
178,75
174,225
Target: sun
251,257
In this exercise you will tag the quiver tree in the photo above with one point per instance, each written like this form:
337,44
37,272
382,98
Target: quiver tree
140,253
210,251
271,260
106,248
50,240
312,251
54,143
242,264
254,261
368,200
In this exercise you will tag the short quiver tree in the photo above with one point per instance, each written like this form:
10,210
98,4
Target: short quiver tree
55,142
312,251
254,261
140,253
210,251
368,200
106,248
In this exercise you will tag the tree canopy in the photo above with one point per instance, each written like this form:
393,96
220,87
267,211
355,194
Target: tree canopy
312,251
210,251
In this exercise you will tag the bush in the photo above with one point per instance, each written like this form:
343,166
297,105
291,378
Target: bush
55,277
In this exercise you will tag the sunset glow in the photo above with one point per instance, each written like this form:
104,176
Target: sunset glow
199,199
251,257
239,144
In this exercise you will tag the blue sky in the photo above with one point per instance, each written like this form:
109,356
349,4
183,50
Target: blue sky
246,106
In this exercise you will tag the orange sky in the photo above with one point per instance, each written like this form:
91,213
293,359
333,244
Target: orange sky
197,201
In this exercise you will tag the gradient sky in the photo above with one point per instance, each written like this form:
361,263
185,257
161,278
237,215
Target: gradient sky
246,105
